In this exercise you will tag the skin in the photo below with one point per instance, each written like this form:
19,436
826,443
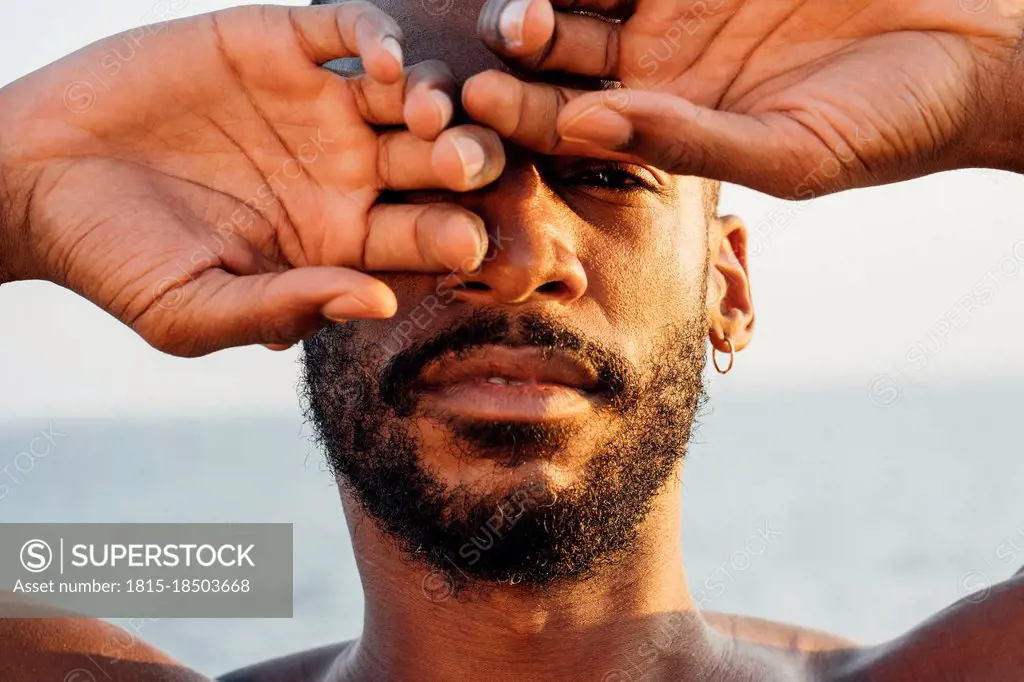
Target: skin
210,217
569,224
718,88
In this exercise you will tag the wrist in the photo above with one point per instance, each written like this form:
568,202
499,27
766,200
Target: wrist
14,203
1001,143
7,221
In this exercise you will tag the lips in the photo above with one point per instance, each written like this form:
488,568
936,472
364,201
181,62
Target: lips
504,383
513,367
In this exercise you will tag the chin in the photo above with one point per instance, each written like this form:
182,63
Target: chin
503,455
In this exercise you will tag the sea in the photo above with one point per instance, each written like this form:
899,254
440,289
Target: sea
854,509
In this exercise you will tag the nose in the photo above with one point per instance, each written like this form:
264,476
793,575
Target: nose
532,250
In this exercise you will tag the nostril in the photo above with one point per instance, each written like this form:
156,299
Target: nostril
553,288
474,286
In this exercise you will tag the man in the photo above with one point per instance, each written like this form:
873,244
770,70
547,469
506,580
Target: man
508,444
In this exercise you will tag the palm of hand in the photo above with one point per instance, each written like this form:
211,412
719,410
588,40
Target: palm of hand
179,182
760,92
824,81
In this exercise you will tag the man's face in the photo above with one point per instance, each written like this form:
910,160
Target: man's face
518,421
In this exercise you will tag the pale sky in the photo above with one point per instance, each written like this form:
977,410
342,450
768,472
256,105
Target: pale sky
846,287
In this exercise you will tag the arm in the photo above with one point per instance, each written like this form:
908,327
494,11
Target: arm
777,635
977,638
65,647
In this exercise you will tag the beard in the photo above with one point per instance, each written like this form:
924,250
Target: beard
361,407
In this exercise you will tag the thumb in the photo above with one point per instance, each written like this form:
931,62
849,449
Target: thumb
217,310
680,137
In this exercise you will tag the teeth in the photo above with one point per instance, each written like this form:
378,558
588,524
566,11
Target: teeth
501,381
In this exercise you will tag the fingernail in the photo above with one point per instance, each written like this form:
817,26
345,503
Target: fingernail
444,106
481,249
472,156
484,239
599,126
510,22
462,236
345,307
391,45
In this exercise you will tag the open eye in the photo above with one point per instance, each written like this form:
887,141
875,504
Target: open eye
610,176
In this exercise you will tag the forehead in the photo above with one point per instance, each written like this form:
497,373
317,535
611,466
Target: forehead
444,30
438,29
447,30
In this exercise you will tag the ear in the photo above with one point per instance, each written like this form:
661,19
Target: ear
730,306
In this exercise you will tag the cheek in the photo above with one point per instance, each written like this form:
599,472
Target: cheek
654,278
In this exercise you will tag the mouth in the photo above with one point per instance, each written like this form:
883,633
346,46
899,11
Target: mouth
510,383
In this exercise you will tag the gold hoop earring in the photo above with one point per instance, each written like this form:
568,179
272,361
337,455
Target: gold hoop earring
732,357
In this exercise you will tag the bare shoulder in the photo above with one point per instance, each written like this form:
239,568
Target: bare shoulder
75,648
980,637
306,666
776,635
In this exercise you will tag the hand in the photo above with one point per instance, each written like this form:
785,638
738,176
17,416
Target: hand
217,187
796,98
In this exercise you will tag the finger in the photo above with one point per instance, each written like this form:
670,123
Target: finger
422,99
525,113
430,99
351,29
219,310
463,158
530,33
528,113
766,152
423,238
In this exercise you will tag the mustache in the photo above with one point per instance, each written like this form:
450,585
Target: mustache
400,385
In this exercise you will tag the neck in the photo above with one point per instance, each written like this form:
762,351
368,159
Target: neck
635,620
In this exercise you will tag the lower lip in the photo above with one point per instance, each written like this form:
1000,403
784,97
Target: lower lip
502,402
